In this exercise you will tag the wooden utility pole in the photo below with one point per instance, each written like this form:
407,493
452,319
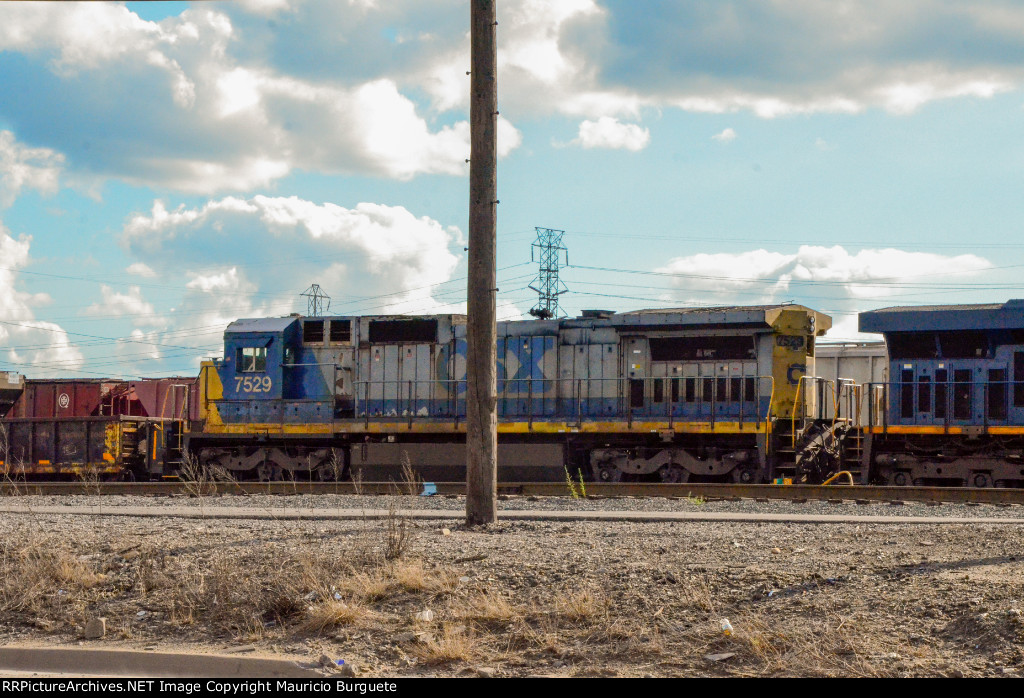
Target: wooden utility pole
481,330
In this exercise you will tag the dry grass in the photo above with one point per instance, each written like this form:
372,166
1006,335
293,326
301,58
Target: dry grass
413,577
488,607
335,468
331,614
581,605
201,479
804,647
196,477
90,478
456,643
328,587
44,582
371,585
543,636
398,534
411,484
695,590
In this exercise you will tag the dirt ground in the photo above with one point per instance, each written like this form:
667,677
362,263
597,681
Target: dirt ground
398,597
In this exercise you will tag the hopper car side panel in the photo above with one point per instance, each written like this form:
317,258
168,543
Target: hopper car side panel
55,446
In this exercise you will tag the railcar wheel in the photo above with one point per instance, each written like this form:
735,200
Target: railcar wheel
609,474
674,474
981,480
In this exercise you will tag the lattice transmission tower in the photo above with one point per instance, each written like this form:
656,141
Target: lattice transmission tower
316,297
549,287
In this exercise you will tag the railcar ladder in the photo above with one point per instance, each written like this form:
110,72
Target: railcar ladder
129,439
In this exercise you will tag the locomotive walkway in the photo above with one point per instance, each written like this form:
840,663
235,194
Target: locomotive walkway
199,511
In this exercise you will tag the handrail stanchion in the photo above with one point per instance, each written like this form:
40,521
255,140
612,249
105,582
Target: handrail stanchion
671,404
885,408
714,399
529,402
579,402
366,403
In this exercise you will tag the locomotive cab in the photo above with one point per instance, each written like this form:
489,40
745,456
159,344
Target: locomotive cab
253,371
952,365
955,395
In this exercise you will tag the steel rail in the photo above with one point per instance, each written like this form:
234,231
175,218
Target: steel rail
709,491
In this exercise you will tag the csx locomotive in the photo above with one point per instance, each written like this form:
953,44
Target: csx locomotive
670,395
952,409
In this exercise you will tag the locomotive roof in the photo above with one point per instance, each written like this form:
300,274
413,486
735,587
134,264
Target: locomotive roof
934,318
263,324
734,315
664,318
715,309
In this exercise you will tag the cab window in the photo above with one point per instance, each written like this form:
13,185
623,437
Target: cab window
251,359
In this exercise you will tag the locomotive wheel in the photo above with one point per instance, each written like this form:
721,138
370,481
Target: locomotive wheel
268,471
609,474
324,473
900,479
673,473
745,476
981,480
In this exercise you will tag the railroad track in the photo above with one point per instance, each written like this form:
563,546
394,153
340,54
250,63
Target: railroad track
861,493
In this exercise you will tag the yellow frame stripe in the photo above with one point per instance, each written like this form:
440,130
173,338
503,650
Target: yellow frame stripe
75,469
938,430
450,427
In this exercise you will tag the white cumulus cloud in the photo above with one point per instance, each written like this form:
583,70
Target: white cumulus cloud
28,345
725,136
208,111
367,250
22,167
827,278
608,132
131,305
140,269
236,96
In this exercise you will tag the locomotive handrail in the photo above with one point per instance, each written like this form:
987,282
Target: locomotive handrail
537,398
949,404
822,384
796,409
837,389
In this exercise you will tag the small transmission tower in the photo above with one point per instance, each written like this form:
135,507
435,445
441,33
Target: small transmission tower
316,297
549,287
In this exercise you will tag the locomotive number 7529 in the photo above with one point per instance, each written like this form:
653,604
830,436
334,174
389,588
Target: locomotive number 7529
252,384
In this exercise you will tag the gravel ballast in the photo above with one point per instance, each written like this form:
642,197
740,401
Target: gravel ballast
520,598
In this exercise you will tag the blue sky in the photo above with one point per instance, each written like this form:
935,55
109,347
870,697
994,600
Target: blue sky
168,167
